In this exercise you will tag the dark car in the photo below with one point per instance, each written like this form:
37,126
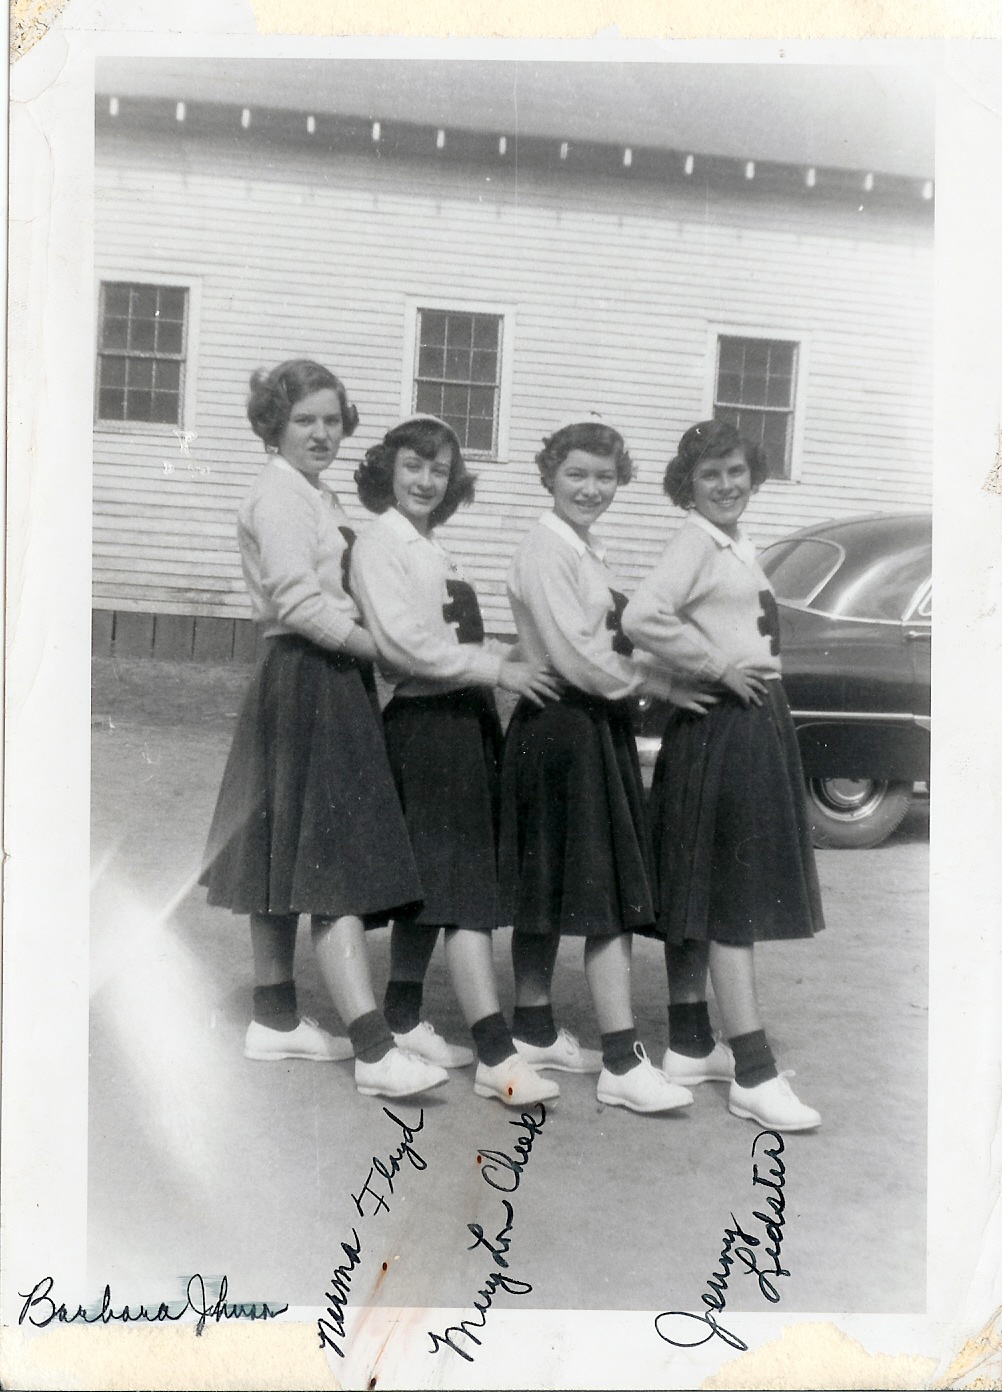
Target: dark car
855,605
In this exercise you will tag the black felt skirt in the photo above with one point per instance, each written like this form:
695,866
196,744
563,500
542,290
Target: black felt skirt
307,819
445,755
729,824
575,853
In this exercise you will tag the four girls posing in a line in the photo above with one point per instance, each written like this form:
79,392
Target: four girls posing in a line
437,829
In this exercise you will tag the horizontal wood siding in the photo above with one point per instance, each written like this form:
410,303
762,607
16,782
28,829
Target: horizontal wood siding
614,286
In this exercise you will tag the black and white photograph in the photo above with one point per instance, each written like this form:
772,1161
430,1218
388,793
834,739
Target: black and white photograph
496,495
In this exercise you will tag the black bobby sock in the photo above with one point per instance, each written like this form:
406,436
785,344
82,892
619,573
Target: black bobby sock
370,1037
402,1005
533,1024
753,1059
492,1040
689,1030
275,1006
618,1053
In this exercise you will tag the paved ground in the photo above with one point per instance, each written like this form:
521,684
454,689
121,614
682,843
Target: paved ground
202,1161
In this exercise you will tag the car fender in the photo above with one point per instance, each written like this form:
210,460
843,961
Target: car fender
881,746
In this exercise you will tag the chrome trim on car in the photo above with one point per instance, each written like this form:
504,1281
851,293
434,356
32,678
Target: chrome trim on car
844,618
881,717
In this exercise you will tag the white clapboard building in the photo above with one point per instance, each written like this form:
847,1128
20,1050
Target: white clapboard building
514,246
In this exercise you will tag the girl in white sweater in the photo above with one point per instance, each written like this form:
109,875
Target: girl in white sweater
575,851
307,820
730,831
443,739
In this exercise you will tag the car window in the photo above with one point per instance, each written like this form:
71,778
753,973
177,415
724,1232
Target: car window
881,589
798,569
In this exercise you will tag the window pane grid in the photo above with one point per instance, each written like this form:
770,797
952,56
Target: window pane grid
754,391
458,373
141,357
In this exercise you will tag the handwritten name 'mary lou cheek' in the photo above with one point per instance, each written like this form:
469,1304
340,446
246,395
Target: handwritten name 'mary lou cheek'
503,1172
758,1255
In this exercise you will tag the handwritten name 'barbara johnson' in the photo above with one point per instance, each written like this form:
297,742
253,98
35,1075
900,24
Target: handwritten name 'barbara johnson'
504,1172
754,1254
373,1197
40,1309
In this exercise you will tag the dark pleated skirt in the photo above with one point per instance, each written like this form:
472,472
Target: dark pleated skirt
575,853
729,824
307,819
445,755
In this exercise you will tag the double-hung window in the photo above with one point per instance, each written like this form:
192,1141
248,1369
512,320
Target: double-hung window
755,387
458,367
142,355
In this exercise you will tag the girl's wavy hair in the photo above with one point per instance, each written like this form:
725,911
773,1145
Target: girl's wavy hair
273,395
425,435
711,439
593,438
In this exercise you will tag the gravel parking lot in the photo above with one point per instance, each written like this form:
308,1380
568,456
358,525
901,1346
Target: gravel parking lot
202,1161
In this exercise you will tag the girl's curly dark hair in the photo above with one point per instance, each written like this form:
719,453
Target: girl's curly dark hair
590,436
425,435
273,395
711,439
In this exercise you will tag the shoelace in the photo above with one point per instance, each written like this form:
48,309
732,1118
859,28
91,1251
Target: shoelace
641,1054
645,1063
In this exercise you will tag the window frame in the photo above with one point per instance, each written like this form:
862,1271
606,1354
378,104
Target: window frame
771,334
193,285
413,304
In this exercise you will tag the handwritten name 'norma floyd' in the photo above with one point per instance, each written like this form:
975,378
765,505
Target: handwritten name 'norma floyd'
373,1197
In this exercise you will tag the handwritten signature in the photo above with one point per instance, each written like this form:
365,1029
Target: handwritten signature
503,1172
746,1249
330,1327
40,1309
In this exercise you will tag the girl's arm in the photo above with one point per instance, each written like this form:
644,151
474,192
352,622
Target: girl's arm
359,644
400,616
655,617
284,526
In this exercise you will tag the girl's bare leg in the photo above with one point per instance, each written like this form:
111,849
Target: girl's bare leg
344,964
687,967
470,959
533,956
273,942
607,963
732,971
410,952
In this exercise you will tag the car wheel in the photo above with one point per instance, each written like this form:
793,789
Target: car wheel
855,813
